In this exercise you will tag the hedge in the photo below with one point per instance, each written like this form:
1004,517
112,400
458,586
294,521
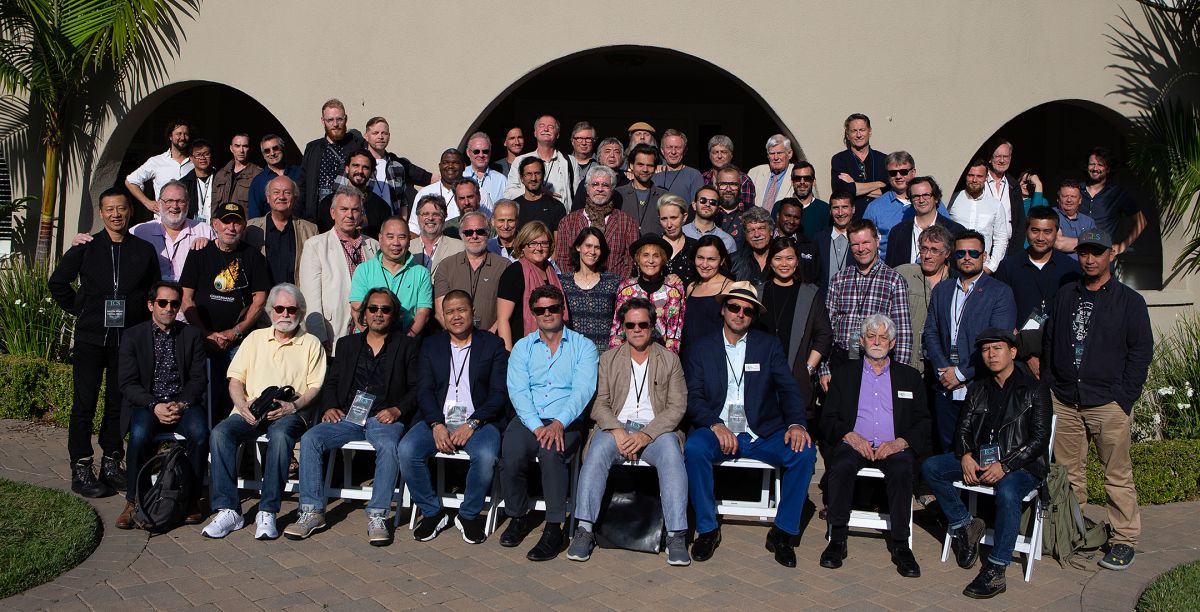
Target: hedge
1164,471
38,389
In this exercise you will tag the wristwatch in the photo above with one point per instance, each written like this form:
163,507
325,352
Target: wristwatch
473,424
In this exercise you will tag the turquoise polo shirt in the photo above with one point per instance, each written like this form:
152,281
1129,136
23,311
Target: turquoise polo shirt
411,284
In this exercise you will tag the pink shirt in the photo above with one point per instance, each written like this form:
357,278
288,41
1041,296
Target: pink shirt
172,253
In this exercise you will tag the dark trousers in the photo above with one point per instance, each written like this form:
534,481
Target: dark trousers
945,416
93,361
898,470
143,426
218,381
517,451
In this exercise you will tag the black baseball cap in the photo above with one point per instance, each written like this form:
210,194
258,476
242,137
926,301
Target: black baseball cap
995,334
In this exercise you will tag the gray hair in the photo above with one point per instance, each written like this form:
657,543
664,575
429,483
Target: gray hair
295,187
505,202
478,135
937,233
173,183
758,214
900,157
880,321
436,199
595,169
346,191
720,140
471,215
779,139
291,290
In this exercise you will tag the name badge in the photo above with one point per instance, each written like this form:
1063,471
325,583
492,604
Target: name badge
360,408
114,313
988,454
455,413
904,394
737,418
633,426
1035,321
751,367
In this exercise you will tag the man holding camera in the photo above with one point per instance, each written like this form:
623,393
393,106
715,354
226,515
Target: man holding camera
268,360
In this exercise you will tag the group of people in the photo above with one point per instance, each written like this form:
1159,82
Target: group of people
617,303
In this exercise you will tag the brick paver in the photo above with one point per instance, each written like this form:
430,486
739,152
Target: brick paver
336,569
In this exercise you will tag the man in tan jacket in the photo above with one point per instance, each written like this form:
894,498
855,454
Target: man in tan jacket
640,399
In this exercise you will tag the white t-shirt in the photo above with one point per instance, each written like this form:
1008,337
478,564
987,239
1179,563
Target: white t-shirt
634,410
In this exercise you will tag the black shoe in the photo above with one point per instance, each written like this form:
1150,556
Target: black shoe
989,583
834,554
550,544
472,529
429,526
112,472
518,528
1119,557
965,542
705,545
780,543
85,482
906,563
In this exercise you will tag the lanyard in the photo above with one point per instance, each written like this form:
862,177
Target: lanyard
957,309
203,188
638,389
839,256
115,254
737,380
461,368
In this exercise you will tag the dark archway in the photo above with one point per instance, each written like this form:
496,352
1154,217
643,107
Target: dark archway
1052,140
613,87
216,112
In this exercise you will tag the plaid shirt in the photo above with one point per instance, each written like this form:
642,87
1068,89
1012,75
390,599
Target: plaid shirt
747,187
853,297
620,231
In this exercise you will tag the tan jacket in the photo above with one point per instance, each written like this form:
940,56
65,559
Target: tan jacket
325,282
256,235
664,382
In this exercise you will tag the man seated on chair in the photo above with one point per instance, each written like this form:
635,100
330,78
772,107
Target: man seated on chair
744,402
369,394
640,399
875,417
277,356
1001,441
461,397
551,379
163,378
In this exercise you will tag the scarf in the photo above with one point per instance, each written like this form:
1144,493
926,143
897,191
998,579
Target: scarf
533,280
597,213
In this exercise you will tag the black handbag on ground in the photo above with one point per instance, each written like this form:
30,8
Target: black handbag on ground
269,400
633,520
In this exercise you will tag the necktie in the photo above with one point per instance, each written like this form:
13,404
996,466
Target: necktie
772,189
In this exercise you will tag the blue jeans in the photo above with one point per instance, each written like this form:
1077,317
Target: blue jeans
326,437
143,426
417,447
663,453
702,452
234,431
940,472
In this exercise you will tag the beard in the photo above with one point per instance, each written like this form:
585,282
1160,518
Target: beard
974,193
286,326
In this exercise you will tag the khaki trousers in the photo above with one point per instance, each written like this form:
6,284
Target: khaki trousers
1108,427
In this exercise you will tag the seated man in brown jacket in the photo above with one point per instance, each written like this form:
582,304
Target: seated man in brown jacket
640,399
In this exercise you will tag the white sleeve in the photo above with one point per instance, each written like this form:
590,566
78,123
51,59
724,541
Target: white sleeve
514,187
1001,232
144,173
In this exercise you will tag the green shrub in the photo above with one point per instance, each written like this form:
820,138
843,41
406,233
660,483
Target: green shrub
30,322
1164,471
1170,405
45,533
39,389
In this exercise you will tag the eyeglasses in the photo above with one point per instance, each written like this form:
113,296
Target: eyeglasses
921,196
804,177
713,201
595,185
288,309
747,311
335,120
165,303
928,250
467,233
583,138
631,325
175,202
900,172
374,308
728,184
205,154
480,151
540,244
541,310
273,149
972,253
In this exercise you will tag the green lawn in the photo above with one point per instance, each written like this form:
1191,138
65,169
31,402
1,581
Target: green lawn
43,533
1178,589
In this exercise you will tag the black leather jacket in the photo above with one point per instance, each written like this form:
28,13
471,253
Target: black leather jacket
1023,432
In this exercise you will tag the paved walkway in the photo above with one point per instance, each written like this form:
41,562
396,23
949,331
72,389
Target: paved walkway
337,569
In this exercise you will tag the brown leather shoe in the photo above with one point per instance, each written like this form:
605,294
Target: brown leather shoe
195,515
125,521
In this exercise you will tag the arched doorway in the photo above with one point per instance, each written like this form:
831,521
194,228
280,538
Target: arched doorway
1052,140
216,112
613,87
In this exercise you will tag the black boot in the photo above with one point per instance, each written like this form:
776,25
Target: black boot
84,481
964,541
988,584
550,544
780,543
113,472
834,554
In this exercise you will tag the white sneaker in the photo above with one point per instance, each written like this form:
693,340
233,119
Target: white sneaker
265,526
224,523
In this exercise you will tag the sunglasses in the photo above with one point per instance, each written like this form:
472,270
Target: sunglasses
480,151
541,310
165,303
713,201
374,308
467,233
972,253
804,177
748,311
901,172
288,309
273,149
631,325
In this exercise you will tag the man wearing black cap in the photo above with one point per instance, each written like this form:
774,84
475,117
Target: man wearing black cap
1000,442
744,402
224,289
1097,347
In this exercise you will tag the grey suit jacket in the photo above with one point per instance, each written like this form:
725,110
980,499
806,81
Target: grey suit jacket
664,382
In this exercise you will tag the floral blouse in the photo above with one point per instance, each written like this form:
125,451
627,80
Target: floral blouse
668,304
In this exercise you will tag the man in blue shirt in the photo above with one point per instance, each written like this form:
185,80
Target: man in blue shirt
271,147
551,379
893,206
1071,222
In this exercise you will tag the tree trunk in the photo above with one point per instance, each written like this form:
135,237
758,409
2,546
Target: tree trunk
49,194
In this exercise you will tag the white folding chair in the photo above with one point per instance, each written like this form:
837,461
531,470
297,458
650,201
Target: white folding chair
765,507
493,515
1031,543
867,519
449,498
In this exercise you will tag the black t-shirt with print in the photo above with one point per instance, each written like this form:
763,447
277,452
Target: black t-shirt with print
224,282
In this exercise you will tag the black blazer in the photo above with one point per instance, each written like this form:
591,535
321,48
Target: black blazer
625,199
135,373
487,371
307,201
910,413
899,251
398,371
92,264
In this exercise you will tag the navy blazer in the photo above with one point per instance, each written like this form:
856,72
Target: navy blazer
771,395
990,304
487,371
899,250
824,246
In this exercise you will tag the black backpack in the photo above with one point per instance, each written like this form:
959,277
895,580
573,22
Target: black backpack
162,505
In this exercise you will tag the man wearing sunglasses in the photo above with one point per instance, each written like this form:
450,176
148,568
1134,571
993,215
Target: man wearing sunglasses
958,312
551,379
707,206
893,206
475,270
743,401
163,379
271,146
490,182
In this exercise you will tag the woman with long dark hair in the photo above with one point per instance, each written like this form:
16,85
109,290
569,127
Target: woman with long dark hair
795,312
710,265
591,293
